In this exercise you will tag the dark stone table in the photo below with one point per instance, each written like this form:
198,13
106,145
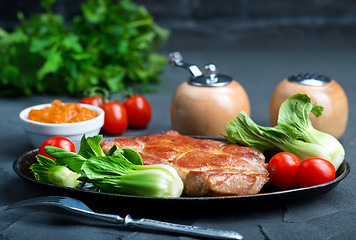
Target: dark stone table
259,62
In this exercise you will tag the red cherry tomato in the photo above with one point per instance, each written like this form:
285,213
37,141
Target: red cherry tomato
139,111
58,141
283,170
115,120
95,100
315,171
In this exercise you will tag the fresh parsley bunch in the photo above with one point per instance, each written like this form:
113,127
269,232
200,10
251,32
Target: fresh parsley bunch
110,45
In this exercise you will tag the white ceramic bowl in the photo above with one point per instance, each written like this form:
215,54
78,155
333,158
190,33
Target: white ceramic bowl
38,132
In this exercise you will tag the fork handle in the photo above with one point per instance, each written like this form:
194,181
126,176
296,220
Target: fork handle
183,229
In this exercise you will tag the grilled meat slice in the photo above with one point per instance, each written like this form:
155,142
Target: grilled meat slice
207,167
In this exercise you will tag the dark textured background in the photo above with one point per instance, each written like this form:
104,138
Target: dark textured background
228,15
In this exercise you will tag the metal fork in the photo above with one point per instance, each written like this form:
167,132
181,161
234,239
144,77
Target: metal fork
77,206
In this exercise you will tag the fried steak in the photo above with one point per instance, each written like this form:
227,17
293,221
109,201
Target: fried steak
207,167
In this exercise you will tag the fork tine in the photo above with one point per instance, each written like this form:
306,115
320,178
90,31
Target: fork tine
67,203
58,201
48,200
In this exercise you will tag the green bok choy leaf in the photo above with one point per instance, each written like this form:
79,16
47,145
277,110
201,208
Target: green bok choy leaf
293,133
122,171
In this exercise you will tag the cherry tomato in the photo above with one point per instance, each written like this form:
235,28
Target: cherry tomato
115,120
315,171
139,111
94,100
58,141
283,170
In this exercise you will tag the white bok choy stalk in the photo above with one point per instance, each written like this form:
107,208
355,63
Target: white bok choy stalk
46,170
293,133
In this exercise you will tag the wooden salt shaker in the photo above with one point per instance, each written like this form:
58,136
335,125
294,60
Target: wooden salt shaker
323,91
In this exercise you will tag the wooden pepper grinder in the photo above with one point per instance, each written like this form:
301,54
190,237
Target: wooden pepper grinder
323,91
205,103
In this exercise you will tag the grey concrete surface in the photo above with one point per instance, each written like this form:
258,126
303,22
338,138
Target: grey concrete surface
258,60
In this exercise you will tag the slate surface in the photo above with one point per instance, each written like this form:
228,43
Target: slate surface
258,61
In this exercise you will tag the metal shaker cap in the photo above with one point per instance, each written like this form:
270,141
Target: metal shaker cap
309,79
206,78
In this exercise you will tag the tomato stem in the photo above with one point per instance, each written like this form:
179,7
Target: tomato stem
97,91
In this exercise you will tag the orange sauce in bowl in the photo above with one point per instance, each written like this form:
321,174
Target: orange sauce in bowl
62,113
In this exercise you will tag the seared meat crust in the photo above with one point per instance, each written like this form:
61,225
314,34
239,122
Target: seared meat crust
207,167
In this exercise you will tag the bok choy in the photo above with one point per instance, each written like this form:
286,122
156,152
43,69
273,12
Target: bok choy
118,175
293,133
47,170
122,171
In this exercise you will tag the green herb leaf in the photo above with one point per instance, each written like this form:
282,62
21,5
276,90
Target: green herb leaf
111,45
